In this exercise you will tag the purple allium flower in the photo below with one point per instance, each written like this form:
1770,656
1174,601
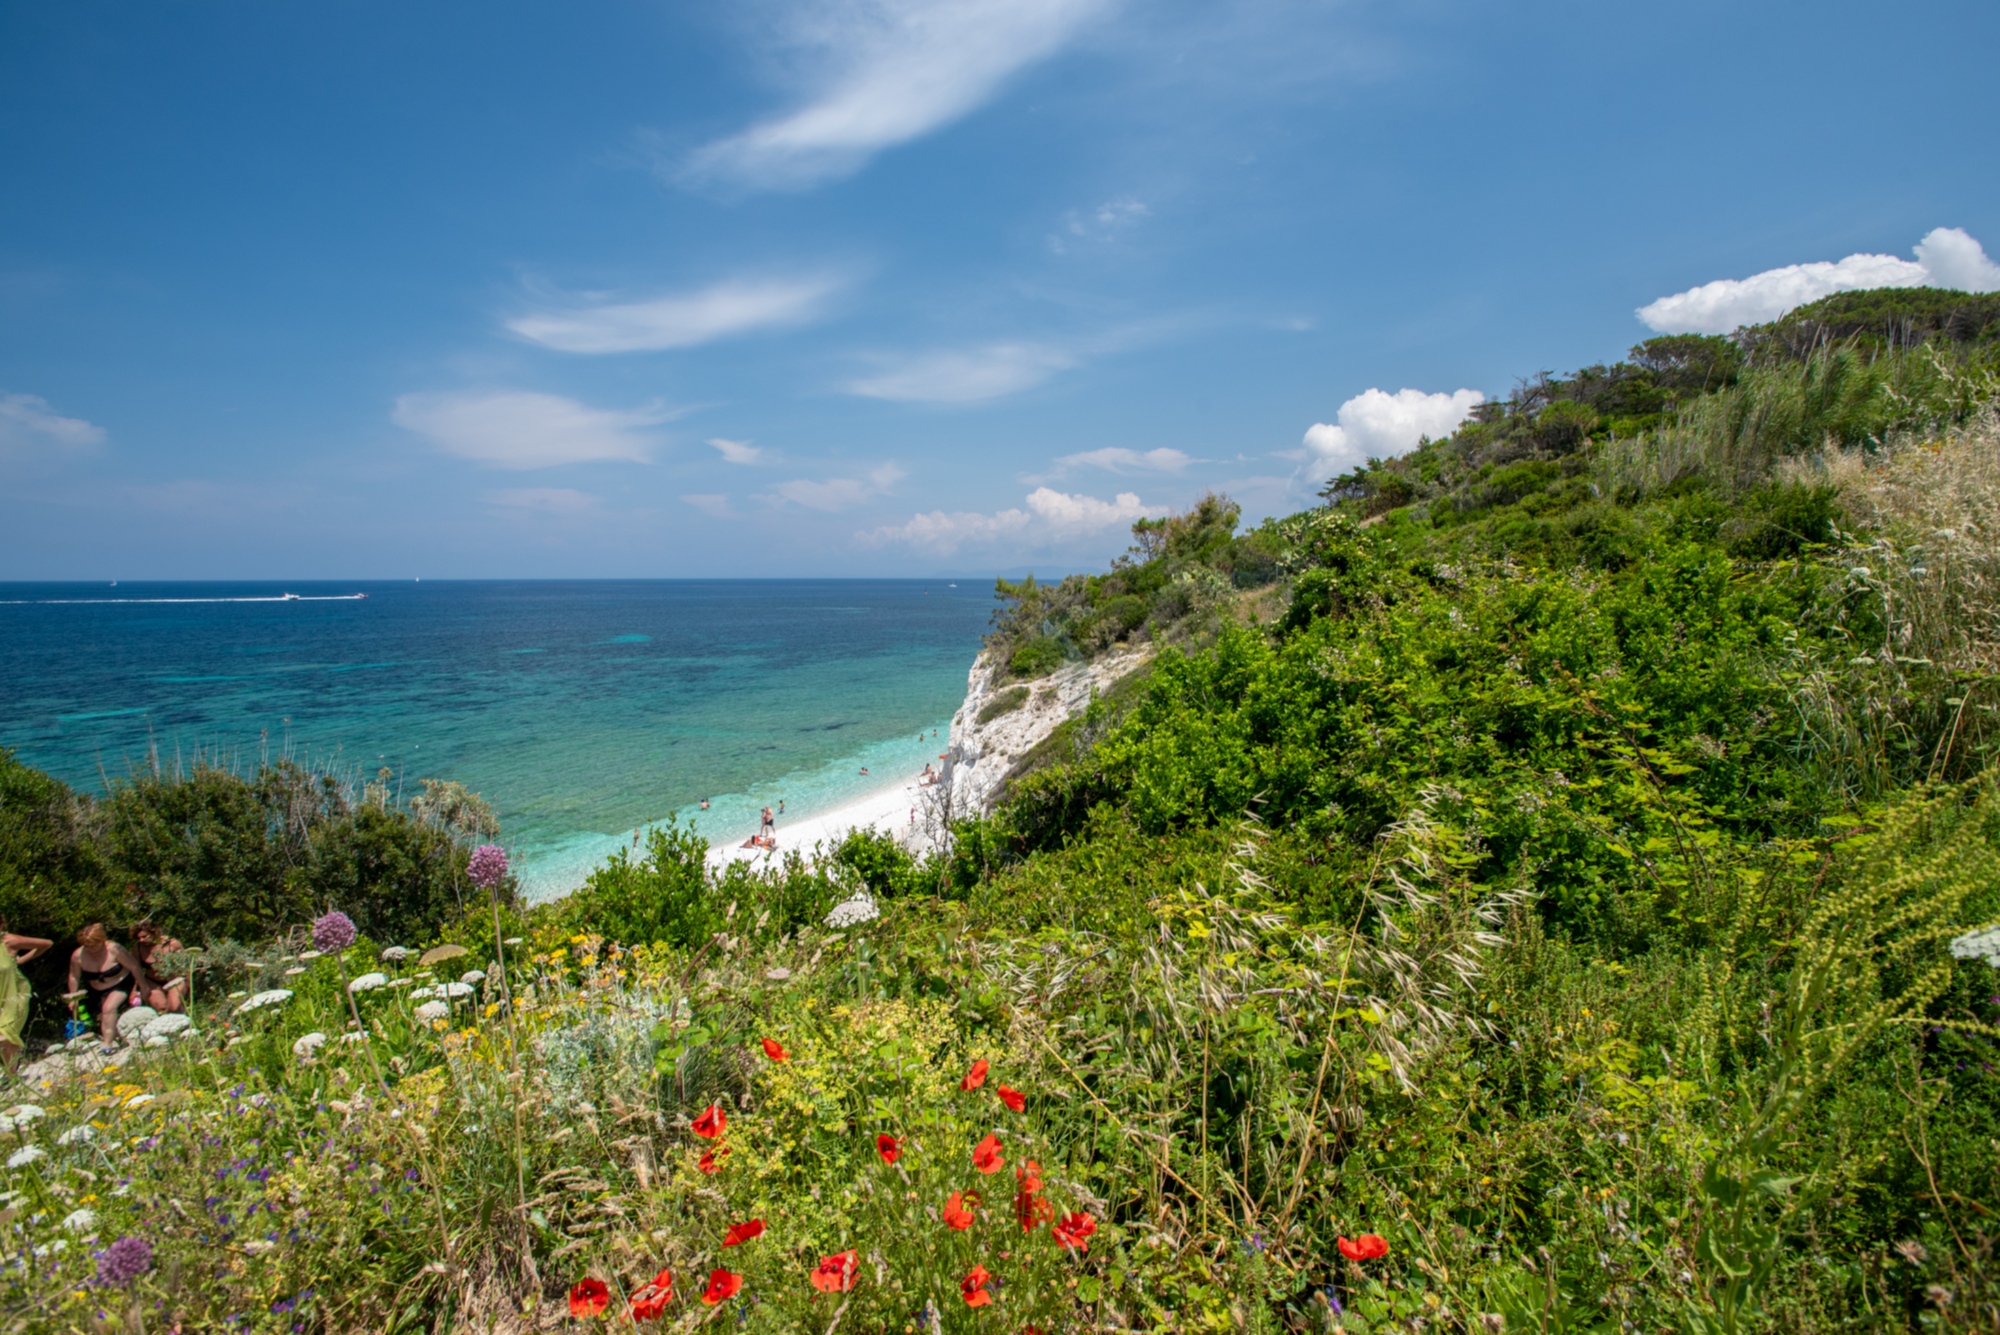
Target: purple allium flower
333,933
488,866
124,1261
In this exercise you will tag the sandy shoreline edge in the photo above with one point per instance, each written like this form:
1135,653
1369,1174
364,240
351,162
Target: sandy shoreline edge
896,809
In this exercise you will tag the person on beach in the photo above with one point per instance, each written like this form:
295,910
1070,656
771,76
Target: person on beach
105,973
14,990
864,769
781,806
704,804
163,994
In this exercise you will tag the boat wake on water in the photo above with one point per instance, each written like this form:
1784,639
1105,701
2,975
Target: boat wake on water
262,598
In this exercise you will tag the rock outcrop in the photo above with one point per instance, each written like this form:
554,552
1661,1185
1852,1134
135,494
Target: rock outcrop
983,755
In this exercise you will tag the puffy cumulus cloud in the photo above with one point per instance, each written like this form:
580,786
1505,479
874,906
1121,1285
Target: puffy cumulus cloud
683,320
29,427
1375,424
736,451
518,429
1049,517
1120,460
839,493
1947,257
542,500
886,72
967,376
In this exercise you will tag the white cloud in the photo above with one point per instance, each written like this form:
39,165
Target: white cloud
965,377
839,493
681,320
887,72
1050,517
1119,460
1102,223
737,451
28,426
1946,257
518,429
1375,424
715,506
543,500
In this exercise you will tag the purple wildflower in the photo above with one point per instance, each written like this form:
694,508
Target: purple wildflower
487,867
124,1261
333,933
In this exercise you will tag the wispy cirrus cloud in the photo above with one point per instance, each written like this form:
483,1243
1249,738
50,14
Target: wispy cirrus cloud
736,451
839,493
1050,517
681,320
968,375
29,427
714,505
1947,257
884,72
1117,459
519,429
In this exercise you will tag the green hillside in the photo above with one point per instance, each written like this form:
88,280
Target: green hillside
1537,890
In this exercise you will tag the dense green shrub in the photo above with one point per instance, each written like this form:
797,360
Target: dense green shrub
1036,657
662,895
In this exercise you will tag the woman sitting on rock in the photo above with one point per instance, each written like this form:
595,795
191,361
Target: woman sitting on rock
106,974
163,994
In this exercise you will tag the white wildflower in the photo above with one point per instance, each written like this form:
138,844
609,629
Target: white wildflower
21,1114
853,912
368,982
1983,945
420,993
310,954
135,1018
293,972
473,977
55,1248
307,1044
354,1036
511,941
277,996
396,954
138,1100
454,989
81,1134
78,1221
238,996
434,1010
26,1155
401,982
166,1026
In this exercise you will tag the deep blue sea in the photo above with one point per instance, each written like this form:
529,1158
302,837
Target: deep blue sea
580,709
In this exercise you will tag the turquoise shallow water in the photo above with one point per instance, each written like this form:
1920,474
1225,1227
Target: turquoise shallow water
580,709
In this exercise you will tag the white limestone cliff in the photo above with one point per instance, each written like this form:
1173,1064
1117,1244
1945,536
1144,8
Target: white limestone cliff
983,755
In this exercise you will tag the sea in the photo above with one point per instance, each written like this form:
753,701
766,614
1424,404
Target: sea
582,710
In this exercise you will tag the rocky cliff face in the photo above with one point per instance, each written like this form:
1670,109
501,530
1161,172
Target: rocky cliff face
983,755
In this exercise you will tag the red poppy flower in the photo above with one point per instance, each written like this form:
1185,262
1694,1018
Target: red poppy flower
973,1286
1073,1231
589,1298
722,1286
890,1148
955,1212
1028,1178
711,1160
1364,1248
652,1300
1029,1207
743,1232
1013,1098
835,1274
975,1077
712,1122
986,1155
775,1050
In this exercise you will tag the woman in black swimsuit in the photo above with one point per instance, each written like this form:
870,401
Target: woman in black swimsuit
106,970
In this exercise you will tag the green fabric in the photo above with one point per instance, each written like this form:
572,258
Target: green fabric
14,994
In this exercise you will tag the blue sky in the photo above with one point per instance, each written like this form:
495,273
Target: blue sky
797,287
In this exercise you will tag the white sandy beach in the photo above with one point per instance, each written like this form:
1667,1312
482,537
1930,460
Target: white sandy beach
887,809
